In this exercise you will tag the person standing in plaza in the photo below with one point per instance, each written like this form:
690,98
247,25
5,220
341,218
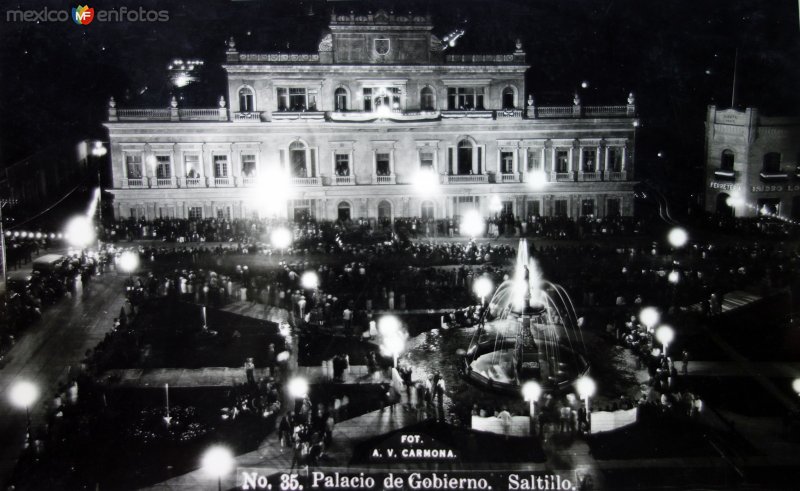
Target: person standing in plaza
249,369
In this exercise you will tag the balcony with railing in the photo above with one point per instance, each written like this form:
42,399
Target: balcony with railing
466,179
509,114
136,182
201,114
603,111
165,182
344,180
467,114
590,176
248,181
562,177
247,117
141,115
298,116
390,179
222,182
194,182
616,175
514,177
306,181
554,112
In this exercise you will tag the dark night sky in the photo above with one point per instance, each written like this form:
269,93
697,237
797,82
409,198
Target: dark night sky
57,77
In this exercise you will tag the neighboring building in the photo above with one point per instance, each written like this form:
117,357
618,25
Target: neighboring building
752,163
354,125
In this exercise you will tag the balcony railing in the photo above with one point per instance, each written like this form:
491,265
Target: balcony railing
165,182
509,114
344,180
590,176
247,116
465,114
222,181
194,182
137,183
508,178
554,112
562,177
190,114
390,179
466,179
615,175
249,180
298,116
306,181
605,110
143,114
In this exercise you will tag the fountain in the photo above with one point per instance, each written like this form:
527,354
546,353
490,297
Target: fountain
529,331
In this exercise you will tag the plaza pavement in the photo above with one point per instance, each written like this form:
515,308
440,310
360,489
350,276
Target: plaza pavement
48,350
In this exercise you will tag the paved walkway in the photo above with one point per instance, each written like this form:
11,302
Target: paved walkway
47,351
731,301
225,376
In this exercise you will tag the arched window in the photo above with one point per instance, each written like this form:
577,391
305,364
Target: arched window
384,211
726,161
772,163
297,159
508,98
246,100
340,99
427,210
426,100
465,154
343,211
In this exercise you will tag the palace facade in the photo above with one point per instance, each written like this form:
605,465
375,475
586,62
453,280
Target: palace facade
353,130
752,163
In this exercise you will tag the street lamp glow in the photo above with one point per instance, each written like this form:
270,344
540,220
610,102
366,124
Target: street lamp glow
483,287
393,340
23,394
495,205
537,179
281,238
426,182
531,391
674,277
586,387
298,387
217,462
678,237
128,261
271,193
796,385
80,231
99,149
649,316
309,280
472,225
665,334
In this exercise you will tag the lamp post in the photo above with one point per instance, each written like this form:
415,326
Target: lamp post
649,316
24,394
217,462
586,389
472,225
665,334
392,339
482,288
79,231
531,391
281,238
128,262
678,237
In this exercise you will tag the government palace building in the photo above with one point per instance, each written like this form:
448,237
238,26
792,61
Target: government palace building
380,123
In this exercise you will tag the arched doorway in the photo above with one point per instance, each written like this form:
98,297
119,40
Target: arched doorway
340,99
343,212
464,163
427,210
384,212
508,98
723,208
